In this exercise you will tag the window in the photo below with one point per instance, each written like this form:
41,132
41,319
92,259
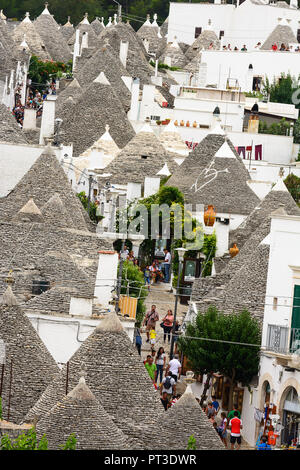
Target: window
155,118
144,157
197,31
295,325
275,303
221,34
277,338
298,35
256,84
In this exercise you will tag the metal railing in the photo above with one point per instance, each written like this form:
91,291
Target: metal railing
282,339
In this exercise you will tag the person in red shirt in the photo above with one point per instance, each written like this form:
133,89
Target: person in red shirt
235,426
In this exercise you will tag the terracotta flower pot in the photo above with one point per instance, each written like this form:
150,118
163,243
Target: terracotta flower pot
176,123
194,124
209,216
187,123
182,123
233,251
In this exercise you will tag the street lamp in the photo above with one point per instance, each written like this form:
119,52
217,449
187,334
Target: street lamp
181,251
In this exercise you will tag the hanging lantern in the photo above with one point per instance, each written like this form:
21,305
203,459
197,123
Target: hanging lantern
233,250
182,122
209,216
194,124
187,123
176,123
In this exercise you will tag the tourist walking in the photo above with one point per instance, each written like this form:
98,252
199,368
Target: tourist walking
168,325
231,413
215,404
138,340
223,428
150,320
160,362
174,367
167,265
168,386
210,411
235,425
151,368
264,444
147,276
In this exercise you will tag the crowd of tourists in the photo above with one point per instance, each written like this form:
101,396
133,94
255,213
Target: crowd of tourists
34,100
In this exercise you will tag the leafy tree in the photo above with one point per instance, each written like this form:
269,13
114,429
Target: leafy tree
70,443
292,183
238,363
93,211
192,443
41,72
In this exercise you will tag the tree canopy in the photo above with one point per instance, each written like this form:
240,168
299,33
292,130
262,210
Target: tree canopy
238,363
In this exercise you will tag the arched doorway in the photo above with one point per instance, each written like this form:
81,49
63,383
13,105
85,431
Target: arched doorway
291,418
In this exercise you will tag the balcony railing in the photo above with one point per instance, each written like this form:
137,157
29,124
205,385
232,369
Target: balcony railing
283,340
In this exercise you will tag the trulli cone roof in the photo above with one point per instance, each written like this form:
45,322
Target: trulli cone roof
277,196
33,39
181,421
98,106
33,368
205,178
117,377
81,413
52,37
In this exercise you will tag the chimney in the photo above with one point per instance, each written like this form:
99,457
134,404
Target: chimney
124,52
48,117
29,119
85,41
135,93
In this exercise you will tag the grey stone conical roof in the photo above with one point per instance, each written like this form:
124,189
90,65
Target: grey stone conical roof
9,128
73,90
105,60
55,213
98,106
246,288
33,39
44,179
67,30
279,195
117,377
215,174
52,37
203,41
137,64
282,34
182,420
144,155
173,51
81,413
28,364
97,26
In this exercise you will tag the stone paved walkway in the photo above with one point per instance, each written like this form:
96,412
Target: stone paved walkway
161,295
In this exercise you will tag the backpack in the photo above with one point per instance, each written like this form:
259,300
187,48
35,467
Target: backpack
167,383
138,339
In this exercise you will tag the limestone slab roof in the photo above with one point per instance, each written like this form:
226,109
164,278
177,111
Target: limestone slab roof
182,420
105,60
203,41
73,90
85,28
215,174
81,413
137,64
144,155
283,33
9,128
97,26
52,37
98,106
279,195
44,179
173,51
117,377
28,363
33,39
